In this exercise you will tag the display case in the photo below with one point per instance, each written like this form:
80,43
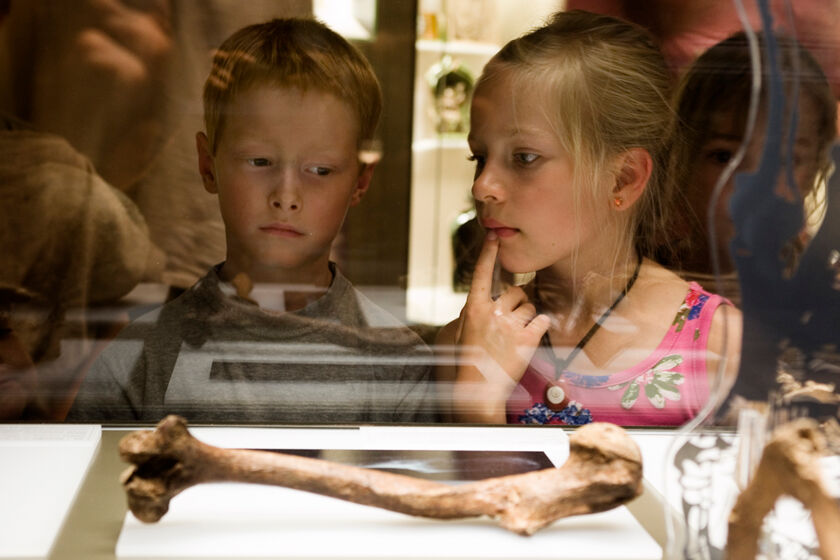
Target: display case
134,141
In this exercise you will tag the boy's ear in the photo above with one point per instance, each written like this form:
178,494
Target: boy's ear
206,166
362,183
634,169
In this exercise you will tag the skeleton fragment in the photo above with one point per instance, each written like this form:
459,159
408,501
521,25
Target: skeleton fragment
793,389
789,465
603,471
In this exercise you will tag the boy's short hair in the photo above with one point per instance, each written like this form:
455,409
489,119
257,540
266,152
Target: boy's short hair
296,53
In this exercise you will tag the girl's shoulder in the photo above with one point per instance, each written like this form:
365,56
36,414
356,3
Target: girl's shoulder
659,292
670,297
716,327
663,276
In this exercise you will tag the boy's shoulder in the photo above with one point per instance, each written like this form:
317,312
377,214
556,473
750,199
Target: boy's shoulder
374,317
170,315
346,309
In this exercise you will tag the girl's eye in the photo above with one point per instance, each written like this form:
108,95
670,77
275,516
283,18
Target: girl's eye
259,162
479,163
525,158
319,170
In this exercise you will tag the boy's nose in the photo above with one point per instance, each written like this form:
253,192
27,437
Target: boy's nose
277,202
285,195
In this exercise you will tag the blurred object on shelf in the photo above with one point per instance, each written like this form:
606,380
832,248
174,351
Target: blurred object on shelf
465,19
428,27
452,85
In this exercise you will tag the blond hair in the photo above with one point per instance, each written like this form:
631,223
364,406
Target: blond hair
606,90
293,53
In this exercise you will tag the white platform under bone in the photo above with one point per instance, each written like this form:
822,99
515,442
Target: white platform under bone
247,521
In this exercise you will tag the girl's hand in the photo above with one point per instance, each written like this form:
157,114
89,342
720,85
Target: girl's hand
496,341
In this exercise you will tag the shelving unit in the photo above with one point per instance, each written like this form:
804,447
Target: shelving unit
441,175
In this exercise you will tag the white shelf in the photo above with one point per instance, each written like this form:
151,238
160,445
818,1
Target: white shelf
457,47
41,469
438,143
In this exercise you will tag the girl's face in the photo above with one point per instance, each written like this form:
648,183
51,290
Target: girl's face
524,187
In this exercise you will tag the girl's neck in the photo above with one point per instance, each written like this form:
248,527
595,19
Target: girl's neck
576,292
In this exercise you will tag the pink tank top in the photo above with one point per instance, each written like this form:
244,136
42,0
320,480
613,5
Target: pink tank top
667,388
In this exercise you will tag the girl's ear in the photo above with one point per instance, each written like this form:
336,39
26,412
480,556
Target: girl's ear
634,169
362,183
206,167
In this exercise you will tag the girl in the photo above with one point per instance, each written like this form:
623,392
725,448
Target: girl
568,128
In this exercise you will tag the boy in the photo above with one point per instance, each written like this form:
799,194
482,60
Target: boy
275,333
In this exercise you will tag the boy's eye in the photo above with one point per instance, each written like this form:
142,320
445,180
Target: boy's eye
259,162
525,158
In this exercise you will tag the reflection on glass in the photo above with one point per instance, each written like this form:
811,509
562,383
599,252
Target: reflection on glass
97,106
758,120
68,240
714,104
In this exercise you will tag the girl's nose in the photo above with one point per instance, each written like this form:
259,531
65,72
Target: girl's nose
487,186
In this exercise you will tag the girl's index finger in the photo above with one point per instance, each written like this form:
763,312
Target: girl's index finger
482,281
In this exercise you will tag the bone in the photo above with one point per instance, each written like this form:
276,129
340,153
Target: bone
790,466
603,471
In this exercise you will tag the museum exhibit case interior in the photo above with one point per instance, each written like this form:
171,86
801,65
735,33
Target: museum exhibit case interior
106,222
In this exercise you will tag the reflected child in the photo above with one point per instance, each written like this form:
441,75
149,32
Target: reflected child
275,333
568,129
713,101
765,204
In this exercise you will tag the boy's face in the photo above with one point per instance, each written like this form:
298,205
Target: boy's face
286,170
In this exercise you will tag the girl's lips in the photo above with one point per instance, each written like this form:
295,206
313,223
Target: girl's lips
499,228
503,232
281,230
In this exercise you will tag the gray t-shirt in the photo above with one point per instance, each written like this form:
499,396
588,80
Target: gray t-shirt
218,359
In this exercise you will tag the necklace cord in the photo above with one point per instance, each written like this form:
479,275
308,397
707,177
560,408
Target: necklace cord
560,366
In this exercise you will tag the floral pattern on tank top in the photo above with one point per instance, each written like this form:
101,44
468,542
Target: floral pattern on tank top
656,384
